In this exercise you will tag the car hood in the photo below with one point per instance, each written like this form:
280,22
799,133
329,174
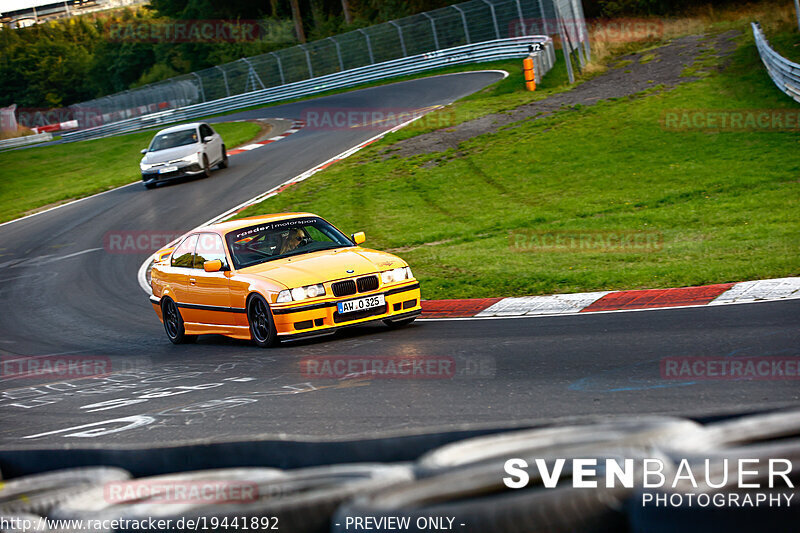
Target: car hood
323,266
170,154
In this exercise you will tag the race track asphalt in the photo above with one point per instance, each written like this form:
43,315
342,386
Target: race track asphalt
63,294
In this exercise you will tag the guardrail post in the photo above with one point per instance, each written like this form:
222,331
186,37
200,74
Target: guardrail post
400,34
565,46
338,53
433,27
494,17
308,60
369,45
522,20
464,20
544,18
253,75
280,67
225,78
797,12
587,49
200,80
576,24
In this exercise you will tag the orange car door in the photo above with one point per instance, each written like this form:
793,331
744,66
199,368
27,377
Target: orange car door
210,295
182,265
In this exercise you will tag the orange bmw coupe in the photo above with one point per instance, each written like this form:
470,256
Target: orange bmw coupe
277,277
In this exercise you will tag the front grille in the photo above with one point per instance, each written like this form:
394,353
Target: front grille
344,288
367,283
358,314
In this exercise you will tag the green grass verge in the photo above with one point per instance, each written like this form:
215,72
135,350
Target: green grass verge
787,44
723,204
41,176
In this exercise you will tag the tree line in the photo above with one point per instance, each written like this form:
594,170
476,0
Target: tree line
66,61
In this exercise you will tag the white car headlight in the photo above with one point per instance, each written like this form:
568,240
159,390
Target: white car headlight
191,158
312,291
301,293
284,296
398,274
298,294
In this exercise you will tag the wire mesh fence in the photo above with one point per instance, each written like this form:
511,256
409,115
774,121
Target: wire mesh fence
461,24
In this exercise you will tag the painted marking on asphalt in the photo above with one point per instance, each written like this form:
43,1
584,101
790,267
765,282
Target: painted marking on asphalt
100,428
43,259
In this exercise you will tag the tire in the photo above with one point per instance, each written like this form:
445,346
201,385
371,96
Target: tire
491,449
755,428
173,323
399,323
206,168
95,503
302,500
696,518
149,185
308,498
39,493
262,326
477,498
224,163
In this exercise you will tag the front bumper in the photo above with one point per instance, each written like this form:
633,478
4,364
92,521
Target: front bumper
152,175
307,320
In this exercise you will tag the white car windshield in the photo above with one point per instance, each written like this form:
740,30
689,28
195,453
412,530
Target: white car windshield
173,139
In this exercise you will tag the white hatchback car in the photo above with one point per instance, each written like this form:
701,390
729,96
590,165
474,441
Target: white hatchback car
182,151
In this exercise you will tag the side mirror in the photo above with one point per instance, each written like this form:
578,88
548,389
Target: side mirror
359,237
144,151
208,139
212,266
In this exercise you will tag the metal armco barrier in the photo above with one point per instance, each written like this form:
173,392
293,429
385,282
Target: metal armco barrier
511,48
28,139
783,72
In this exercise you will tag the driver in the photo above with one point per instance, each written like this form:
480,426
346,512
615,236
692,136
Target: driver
292,240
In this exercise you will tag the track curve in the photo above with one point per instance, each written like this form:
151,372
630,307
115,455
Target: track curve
62,293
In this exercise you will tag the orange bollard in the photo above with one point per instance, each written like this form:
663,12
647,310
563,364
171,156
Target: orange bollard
530,73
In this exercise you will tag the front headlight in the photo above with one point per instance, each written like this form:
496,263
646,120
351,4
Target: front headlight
300,293
398,274
284,296
192,158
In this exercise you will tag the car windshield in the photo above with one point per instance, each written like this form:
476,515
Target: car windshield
283,238
173,139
